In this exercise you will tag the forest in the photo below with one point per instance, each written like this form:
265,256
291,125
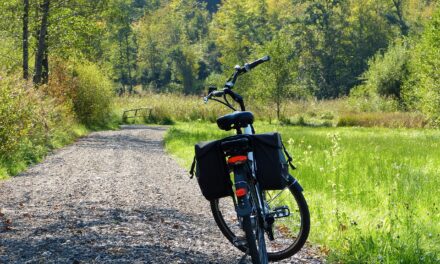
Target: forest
322,49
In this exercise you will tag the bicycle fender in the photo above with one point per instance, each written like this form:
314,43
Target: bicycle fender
244,207
295,184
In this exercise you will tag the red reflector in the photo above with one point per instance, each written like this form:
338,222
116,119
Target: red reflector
240,192
237,159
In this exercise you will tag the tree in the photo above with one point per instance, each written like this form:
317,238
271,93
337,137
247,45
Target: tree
120,15
238,28
171,45
421,91
275,80
42,46
10,41
25,39
387,72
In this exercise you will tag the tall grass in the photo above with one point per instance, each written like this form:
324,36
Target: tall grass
373,192
169,108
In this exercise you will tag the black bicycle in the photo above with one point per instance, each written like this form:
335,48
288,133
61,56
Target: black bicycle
258,206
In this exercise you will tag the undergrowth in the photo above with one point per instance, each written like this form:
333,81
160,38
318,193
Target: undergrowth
36,120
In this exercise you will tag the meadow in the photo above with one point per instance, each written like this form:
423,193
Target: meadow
373,192
169,108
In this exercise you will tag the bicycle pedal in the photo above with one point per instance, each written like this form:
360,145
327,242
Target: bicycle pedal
239,241
279,212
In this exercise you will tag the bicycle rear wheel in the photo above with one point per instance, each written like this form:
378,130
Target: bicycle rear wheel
290,233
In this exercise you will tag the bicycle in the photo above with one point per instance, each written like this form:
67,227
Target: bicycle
261,209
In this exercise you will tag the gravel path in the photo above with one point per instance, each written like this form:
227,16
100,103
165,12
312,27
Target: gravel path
112,197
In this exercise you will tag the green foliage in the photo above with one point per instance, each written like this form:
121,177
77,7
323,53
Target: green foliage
15,115
275,81
373,193
388,72
8,54
31,123
74,29
422,90
170,48
9,44
92,95
408,73
238,28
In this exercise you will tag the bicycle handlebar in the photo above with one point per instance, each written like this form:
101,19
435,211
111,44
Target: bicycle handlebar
239,70
250,66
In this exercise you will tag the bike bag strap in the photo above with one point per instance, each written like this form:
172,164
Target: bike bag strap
289,158
193,166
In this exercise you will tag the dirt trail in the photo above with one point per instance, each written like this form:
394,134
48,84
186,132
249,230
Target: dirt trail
112,197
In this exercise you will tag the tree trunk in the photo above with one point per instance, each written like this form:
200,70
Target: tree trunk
26,39
127,51
45,68
404,29
41,49
121,66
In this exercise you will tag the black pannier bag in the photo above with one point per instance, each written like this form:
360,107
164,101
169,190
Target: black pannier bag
272,167
211,170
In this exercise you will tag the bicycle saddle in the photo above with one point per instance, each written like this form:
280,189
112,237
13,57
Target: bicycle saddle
235,120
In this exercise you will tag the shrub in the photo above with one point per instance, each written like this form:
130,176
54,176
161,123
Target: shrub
31,123
366,101
387,72
92,95
422,90
15,115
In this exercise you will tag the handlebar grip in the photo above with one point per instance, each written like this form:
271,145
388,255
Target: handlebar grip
250,66
218,93
213,93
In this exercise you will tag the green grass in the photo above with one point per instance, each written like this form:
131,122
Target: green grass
373,193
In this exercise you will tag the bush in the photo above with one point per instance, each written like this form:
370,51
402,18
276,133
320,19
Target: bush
31,123
387,72
15,115
92,95
422,91
366,101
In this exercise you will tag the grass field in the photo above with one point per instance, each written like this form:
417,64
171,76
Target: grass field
373,193
170,108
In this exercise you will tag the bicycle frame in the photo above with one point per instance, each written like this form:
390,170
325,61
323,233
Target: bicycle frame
241,174
249,131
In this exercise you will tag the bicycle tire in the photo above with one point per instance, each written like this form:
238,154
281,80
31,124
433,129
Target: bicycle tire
250,237
259,226
223,207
